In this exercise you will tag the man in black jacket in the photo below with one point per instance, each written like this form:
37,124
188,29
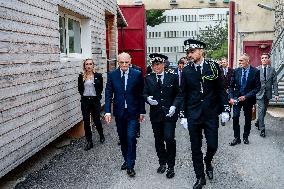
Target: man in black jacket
160,91
205,98
244,86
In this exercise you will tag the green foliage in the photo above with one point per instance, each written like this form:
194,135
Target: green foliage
216,39
154,17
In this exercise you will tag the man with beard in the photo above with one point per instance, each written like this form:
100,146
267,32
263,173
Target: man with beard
205,97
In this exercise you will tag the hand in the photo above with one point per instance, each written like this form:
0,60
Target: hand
108,118
231,101
171,111
242,98
151,101
183,122
277,98
225,116
141,118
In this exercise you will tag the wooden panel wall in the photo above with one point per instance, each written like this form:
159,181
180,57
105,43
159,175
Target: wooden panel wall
38,90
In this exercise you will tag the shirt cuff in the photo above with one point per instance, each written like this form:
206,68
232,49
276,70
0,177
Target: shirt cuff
107,114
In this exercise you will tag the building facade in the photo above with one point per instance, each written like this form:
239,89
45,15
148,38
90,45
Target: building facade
180,24
42,45
176,4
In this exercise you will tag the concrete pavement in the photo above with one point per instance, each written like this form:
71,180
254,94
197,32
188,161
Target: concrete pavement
259,165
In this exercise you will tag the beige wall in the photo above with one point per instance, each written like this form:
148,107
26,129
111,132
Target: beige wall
252,23
165,4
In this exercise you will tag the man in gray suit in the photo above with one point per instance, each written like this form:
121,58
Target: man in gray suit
268,79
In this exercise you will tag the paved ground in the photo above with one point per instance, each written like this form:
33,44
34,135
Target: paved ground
259,165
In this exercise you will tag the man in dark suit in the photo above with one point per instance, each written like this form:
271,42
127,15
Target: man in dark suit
245,83
227,72
125,87
181,63
268,80
160,91
204,99
139,69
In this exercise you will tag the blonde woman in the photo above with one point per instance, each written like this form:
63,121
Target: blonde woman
90,86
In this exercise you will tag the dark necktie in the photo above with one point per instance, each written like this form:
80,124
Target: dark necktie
123,80
244,80
264,73
198,68
159,81
179,77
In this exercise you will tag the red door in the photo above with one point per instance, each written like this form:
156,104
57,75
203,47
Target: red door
255,48
132,39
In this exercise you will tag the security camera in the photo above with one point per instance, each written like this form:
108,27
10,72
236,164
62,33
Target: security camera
265,7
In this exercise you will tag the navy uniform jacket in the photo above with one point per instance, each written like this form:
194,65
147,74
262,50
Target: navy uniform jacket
210,103
252,85
133,94
166,97
98,84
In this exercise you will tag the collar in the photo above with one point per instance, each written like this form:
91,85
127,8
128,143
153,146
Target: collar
262,66
121,72
201,64
246,69
161,74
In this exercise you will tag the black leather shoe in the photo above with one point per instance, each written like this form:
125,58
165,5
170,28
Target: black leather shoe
246,141
124,166
262,133
199,183
235,142
102,139
88,146
170,172
209,171
131,172
161,169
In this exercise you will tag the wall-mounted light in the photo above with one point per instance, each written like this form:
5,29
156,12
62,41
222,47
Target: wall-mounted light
267,7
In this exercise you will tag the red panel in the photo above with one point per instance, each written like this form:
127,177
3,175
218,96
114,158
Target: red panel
132,38
232,33
255,48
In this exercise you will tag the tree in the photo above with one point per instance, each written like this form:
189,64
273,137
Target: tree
154,17
216,39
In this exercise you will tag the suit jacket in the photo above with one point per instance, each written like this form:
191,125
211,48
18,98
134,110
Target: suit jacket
252,85
227,78
133,94
167,96
98,84
210,103
266,86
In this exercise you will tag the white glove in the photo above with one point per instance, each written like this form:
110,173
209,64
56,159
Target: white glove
225,117
151,101
183,122
171,111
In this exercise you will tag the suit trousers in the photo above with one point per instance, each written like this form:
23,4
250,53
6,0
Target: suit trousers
127,129
210,127
164,132
247,108
261,109
91,105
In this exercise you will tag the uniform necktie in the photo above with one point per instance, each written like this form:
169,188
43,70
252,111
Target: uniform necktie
123,79
179,77
159,81
198,68
264,73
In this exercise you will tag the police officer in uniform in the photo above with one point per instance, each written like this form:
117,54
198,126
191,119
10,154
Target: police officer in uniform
204,98
161,92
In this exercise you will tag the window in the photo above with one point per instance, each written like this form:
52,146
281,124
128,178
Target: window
70,34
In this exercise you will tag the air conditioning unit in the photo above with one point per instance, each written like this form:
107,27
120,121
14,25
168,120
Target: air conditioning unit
138,2
212,2
173,2
201,1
